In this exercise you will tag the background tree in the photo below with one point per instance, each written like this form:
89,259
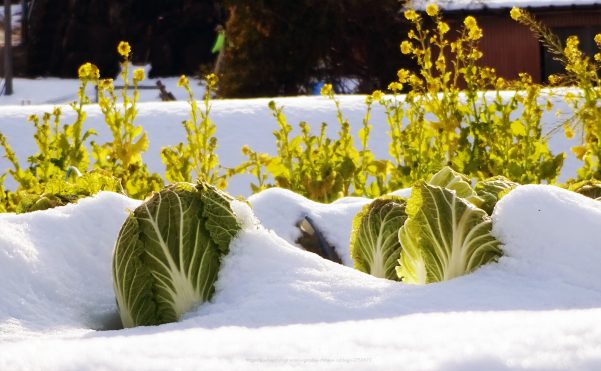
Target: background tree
286,47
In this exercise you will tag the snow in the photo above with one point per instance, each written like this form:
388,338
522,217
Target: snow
501,4
277,307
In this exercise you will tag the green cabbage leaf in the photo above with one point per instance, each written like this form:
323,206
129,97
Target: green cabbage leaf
491,190
168,253
374,242
443,237
452,180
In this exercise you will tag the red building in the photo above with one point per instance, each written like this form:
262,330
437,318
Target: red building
512,48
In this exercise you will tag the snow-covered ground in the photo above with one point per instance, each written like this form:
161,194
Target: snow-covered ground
277,307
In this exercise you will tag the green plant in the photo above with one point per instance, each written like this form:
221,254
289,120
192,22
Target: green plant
169,251
582,72
491,190
123,155
59,148
374,242
196,158
459,125
62,191
444,236
321,168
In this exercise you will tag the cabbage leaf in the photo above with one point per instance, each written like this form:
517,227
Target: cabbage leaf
491,190
443,237
374,242
169,251
452,180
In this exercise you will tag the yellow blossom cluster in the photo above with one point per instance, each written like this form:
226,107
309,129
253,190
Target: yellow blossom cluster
124,49
432,10
326,90
406,47
212,80
515,13
88,72
411,15
138,75
183,81
474,32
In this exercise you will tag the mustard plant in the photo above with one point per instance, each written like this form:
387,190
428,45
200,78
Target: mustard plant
581,72
197,157
123,155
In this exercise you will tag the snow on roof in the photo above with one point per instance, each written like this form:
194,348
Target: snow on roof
500,4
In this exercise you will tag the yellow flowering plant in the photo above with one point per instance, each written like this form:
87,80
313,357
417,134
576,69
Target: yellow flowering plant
122,156
61,150
196,158
581,72
453,122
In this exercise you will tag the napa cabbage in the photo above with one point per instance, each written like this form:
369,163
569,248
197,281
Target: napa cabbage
374,242
491,190
169,251
444,236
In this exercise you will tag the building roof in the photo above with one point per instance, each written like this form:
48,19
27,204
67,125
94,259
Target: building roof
451,5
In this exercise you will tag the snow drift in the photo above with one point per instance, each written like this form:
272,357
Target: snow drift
278,307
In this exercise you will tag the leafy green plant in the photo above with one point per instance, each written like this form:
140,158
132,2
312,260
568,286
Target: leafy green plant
59,148
589,188
444,237
491,190
196,158
583,73
460,125
60,192
123,155
169,251
321,168
374,242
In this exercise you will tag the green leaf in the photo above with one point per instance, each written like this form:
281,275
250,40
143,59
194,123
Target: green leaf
491,190
169,251
452,180
374,242
444,237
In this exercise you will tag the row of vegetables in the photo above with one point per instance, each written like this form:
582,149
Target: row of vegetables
170,249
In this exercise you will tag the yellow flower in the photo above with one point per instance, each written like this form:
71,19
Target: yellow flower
553,79
211,80
500,83
443,27
432,10
138,74
569,133
57,111
411,15
106,84
326,89
598,39
183,81
83,70
403,75
598,57
515,13
441,63
470,22
88,71
395,86
377,95
406,47
579,151
124,49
